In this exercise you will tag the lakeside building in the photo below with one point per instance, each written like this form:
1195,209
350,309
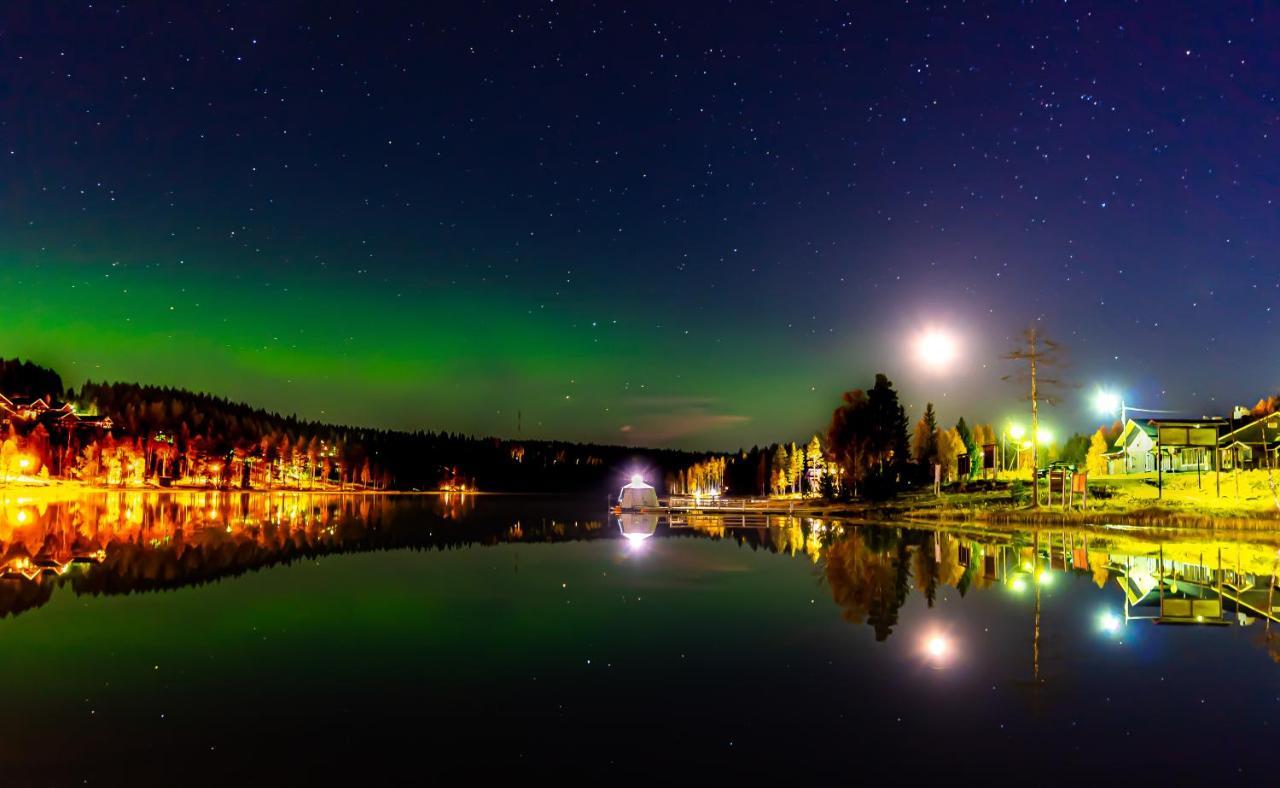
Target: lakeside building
1137,450
27,412
1253,445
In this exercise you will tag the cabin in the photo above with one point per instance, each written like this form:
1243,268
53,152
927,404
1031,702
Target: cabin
21,412
1136,449
1253,445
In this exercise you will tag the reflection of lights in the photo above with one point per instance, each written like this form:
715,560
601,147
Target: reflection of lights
1046,577
1018,585
937,647
1109,622
636,542
937,650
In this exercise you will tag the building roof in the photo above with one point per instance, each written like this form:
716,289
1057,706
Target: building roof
1265,430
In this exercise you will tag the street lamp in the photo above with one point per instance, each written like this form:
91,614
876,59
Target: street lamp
1015,431
1109,403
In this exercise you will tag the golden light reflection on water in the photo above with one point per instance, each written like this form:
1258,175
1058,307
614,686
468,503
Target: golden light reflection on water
117,542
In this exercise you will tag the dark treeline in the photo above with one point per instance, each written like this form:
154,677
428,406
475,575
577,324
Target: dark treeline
28,380
384,458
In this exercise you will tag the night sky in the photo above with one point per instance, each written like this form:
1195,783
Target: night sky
689,224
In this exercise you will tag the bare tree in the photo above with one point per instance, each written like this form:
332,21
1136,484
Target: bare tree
1041,355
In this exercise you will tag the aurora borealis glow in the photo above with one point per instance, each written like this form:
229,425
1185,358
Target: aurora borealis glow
677,224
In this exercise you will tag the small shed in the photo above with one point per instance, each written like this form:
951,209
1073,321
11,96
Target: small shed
638,495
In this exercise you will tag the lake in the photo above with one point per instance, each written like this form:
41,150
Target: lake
186,638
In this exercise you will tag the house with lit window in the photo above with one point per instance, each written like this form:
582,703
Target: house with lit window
21,412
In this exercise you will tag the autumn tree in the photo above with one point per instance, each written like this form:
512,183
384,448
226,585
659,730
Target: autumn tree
1095,462
781,469
814,459
949,448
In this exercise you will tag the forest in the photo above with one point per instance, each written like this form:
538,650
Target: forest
174,437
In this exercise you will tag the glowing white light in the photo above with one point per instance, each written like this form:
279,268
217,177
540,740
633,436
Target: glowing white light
637,478
1109,622
1046,577
1106,402
937,648
1016,431
936,349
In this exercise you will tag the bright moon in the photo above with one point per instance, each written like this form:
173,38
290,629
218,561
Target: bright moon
936,349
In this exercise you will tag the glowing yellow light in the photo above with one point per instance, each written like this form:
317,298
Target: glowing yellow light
1016,431
1046,577
1018,585
1044,436
24,463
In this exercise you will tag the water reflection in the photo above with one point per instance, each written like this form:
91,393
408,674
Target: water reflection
637,527
132,541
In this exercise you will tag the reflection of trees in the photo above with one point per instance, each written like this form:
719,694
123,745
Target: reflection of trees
129,542
869,584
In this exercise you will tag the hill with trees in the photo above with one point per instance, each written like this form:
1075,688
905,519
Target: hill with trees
189,438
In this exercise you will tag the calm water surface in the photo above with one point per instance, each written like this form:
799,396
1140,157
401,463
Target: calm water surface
189,638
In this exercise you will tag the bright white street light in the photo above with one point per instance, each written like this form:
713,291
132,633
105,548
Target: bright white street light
1044,436
1107,402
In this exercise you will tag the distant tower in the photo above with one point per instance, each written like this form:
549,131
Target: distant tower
519,419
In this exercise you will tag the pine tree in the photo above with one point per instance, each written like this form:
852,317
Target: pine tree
924,445
970,447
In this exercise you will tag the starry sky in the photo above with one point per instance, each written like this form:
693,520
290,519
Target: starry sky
660,223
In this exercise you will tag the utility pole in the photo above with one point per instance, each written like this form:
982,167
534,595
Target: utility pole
1039,353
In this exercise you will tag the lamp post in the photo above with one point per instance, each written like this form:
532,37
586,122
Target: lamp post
1015,431
1110,402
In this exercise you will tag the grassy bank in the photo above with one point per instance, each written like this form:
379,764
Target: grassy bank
1243,501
